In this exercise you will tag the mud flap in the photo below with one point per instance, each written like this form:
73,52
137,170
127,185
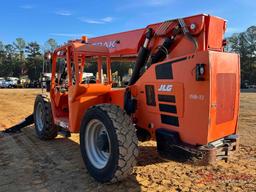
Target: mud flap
17,128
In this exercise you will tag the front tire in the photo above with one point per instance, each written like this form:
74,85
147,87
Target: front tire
108,143
44,125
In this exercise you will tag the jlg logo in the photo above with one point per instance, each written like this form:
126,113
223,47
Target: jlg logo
166,88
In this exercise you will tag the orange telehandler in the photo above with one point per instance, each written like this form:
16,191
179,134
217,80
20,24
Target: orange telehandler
183,93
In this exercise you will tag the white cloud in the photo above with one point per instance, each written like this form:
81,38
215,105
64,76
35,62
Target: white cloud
91,21
74,35
158,2
96,21
27,6
63,13
107,19
134,4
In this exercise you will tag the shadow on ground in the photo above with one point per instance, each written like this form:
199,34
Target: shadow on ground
29,164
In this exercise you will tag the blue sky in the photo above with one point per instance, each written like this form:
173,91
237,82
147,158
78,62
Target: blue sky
67,19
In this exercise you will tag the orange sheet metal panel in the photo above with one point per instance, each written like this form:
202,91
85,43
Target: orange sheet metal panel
193,111
190,119
226,95
124,43
215,33
225,91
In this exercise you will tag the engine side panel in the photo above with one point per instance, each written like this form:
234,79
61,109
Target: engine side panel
181,103
225,91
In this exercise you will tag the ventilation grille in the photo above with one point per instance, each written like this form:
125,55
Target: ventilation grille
150,95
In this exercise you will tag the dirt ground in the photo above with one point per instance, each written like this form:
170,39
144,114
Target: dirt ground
28,164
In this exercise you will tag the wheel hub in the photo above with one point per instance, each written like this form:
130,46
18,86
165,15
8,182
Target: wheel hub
102,142
97,143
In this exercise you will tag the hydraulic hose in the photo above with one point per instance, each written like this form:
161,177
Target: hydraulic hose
163,50
142,57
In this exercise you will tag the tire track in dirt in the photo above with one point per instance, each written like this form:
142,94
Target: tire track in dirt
49,165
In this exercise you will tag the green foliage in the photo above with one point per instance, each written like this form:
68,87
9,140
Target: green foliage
50,45
20,46
1,46
34,61
8,61
21,58
33,50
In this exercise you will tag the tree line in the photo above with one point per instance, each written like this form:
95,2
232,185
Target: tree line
26,58
245,44
21,58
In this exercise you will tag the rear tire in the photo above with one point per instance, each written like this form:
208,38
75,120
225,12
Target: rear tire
44,125
108,143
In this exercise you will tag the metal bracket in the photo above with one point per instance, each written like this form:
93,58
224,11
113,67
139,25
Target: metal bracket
187,33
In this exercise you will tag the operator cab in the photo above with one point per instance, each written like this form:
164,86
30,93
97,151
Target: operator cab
79,70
